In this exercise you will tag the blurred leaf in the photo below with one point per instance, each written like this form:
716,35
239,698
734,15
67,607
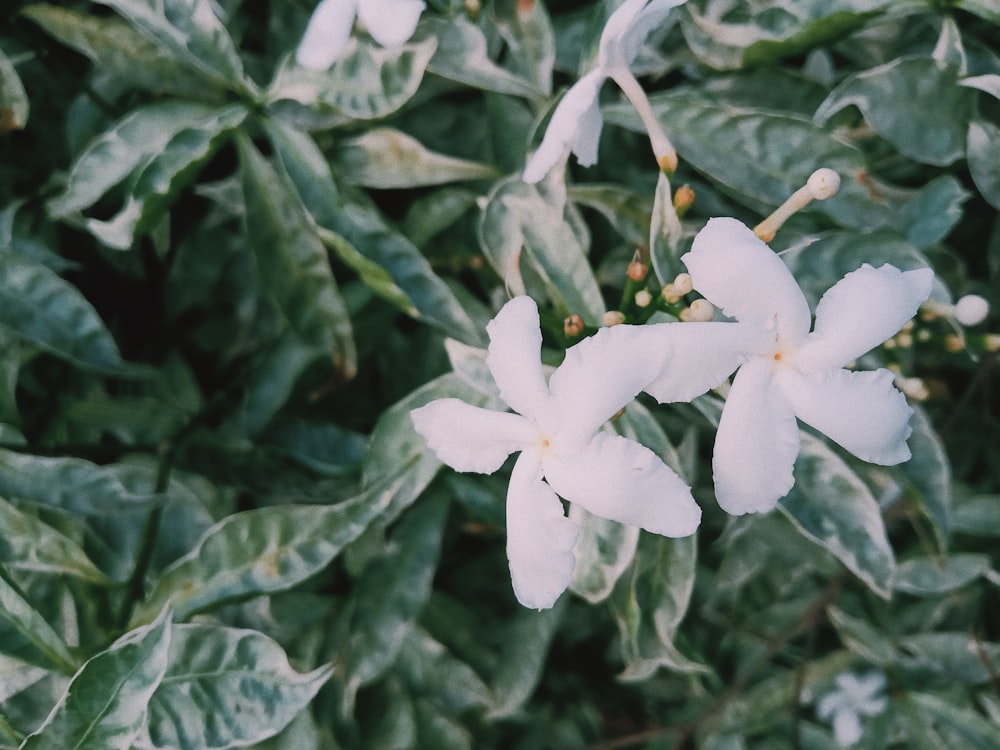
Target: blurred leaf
14,105
132,142
388,158
431,670
521,222
118,48
978,515
45,310
983,143
15,676
966,729
527,30
929,473
933,211
931,576
225,688
831,506
28,543
755,155
650,602
157,183
462,56
603,552
292,262
26,634
431,214
104,707
863,638
818,32
958,656
438,730
190,32
523,658
366,83
624,209
930,113
264,551
391,265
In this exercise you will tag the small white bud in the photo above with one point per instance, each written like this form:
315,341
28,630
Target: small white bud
613,318
971,310
683,284
643,298
823,184
914,388
702,311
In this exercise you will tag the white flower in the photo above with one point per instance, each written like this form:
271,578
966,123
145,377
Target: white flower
389,22
852,698
557,430
971,310
577,121
786,372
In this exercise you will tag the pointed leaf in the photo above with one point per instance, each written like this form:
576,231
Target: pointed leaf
104,707
523,659
224,688
26,633
831,506
527,29
933,576
929,474
959,656
983,143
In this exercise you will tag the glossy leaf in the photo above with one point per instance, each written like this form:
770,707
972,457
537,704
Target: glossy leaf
983,144
929,473
225,687
933,211
387,158
104,707
932,576
523,658
930,114
818,32
292,262
26,632
368,82
863,638
14,104
959,656
831,506
527,29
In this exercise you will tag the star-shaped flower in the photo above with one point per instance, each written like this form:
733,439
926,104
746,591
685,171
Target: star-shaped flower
390,23
576,123
786,372
852,698
557,429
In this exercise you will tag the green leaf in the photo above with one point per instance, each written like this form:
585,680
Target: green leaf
523,223
978,515
367,83
964,728
132,142
264,551
14,105
650,602
387,262
755,155
26,634
983,144
523,658
115,46
932,576
431,670
862,638
462,56
47,311
431,214
190,32
929,473
527,30
29,543
104,707
226,687
933,211
604,550
157,183
817,32
665,233
958,656
831,506
387,158
17,675
292,262
626,210
930,111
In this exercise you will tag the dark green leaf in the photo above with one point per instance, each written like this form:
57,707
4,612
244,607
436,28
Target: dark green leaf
931,576
26,633
523,658
978,515
964,728
815,33
958,656
983,143
933,211
929,473
863,638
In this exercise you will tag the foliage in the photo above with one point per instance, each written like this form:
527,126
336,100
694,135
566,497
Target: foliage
226,280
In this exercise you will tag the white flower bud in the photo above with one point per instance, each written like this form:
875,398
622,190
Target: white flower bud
643,298
683,284
823,184
613,318
702,311
971,310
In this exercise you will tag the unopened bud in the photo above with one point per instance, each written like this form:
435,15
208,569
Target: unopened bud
573,326
613,318
683,284
991,342
914,388
822,184
904,339
643,298
971,310
670,294
702,310
683,199
637,270
954,343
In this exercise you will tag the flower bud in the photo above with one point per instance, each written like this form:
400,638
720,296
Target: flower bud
991,342
823,184
637,270
702,310
573,326
954,343
683,199
670,295
971,310
914,388
683,284
613,318
643,298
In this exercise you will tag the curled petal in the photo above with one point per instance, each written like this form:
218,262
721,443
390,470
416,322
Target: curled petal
618,479
390,22
576,125
468,438
703,355
860,311
860,411
736,271
514,358
628,27
602,374
756,445
540,539
326,34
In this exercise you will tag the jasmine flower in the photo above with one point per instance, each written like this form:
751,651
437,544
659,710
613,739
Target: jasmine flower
389,22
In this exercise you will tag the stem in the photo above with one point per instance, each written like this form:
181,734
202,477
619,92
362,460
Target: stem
663,149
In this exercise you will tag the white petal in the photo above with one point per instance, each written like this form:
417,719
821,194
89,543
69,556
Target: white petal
846,728
327,33
737,272
576,124
602,374
514,358
860,311
540,539
861,411
627,29
618,479
390,22
756,445
703,356
468,438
